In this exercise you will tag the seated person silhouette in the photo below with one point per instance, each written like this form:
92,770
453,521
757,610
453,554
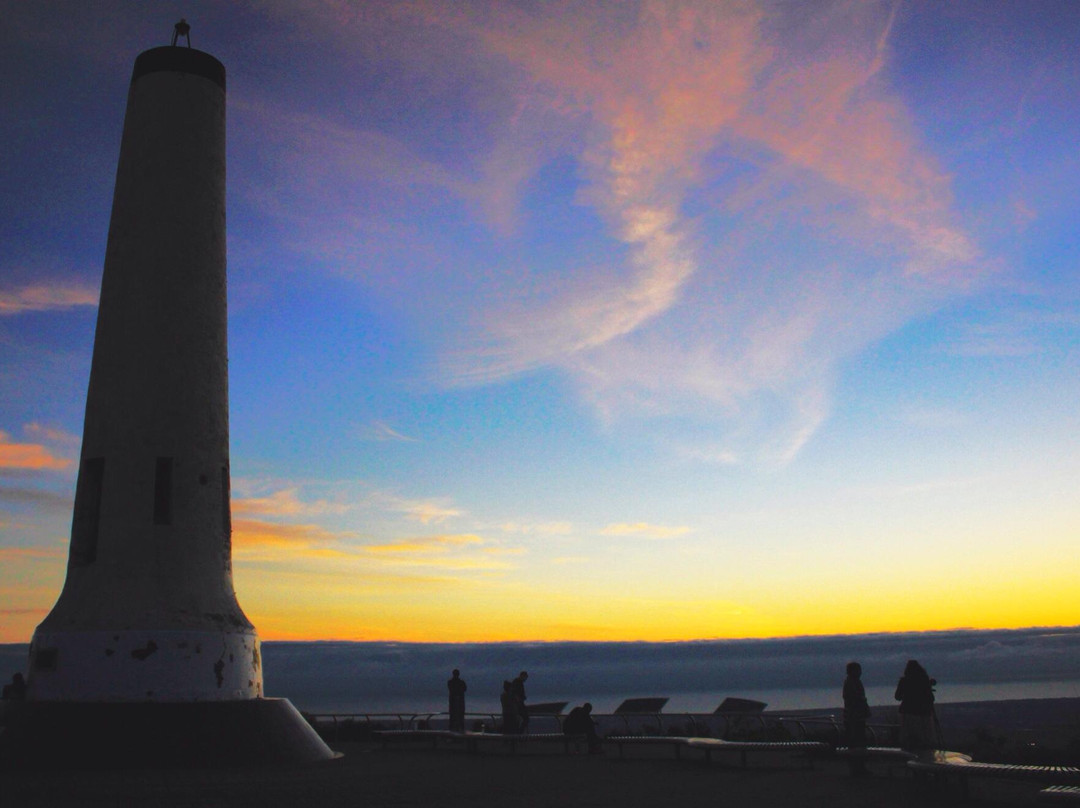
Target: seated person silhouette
580,722
16,691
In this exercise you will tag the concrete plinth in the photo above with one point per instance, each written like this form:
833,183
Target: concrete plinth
93,736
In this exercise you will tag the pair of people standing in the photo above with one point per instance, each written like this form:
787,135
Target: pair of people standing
515,715
914,691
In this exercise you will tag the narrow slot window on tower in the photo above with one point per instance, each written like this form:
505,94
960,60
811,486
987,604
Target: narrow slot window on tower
226,510
163,491
84,523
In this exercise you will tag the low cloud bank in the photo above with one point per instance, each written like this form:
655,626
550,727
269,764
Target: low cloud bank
374,673
360,676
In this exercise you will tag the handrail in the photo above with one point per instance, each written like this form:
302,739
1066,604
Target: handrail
876,731
698,722
417,720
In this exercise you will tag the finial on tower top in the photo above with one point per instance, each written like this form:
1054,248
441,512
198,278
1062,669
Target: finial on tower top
182,29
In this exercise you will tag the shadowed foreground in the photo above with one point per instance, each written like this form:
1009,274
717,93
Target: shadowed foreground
371,776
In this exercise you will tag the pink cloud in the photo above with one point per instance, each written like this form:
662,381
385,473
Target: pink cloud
821,220
655,98
46,297
285,503
669,97
426,544
258,531
826,109
29,456
52,434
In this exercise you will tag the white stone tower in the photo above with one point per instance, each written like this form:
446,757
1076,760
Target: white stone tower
147,630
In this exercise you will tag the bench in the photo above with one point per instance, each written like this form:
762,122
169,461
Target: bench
711,745
474,740
1060,794
873,754
946,764
876,753
675,742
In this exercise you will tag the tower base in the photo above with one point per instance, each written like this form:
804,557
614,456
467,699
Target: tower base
102,735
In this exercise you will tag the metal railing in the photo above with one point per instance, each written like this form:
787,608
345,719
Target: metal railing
877,734
729,726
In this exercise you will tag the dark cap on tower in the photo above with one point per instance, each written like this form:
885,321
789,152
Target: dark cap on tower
179,60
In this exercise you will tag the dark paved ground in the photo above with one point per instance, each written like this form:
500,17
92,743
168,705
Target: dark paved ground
370,777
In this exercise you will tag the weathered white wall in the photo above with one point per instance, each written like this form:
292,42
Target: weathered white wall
150,665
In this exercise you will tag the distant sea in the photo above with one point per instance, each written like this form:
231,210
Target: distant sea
787,674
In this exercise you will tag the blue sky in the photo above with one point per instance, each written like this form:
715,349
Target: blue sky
591,321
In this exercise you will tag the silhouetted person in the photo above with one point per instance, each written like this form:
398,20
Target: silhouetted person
456,685
518,689
16,691
182,29
580,722
509,709
856,711
915,692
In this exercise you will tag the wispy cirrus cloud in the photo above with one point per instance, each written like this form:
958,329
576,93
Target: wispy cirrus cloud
381,431
285,523
556,528
644,530
766,204
339,184
286,502
46,297
51,434
428,512
426,544
647,137
1017,332
935,486
464,551
674,98
828,111
279,543
254,533
711,455
284,499
451,551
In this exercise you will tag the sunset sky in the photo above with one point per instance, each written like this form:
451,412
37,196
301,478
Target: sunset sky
594,321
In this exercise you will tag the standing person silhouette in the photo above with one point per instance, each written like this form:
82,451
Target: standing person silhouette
517,688
457,687
915,692
856,711
181,29
509,709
